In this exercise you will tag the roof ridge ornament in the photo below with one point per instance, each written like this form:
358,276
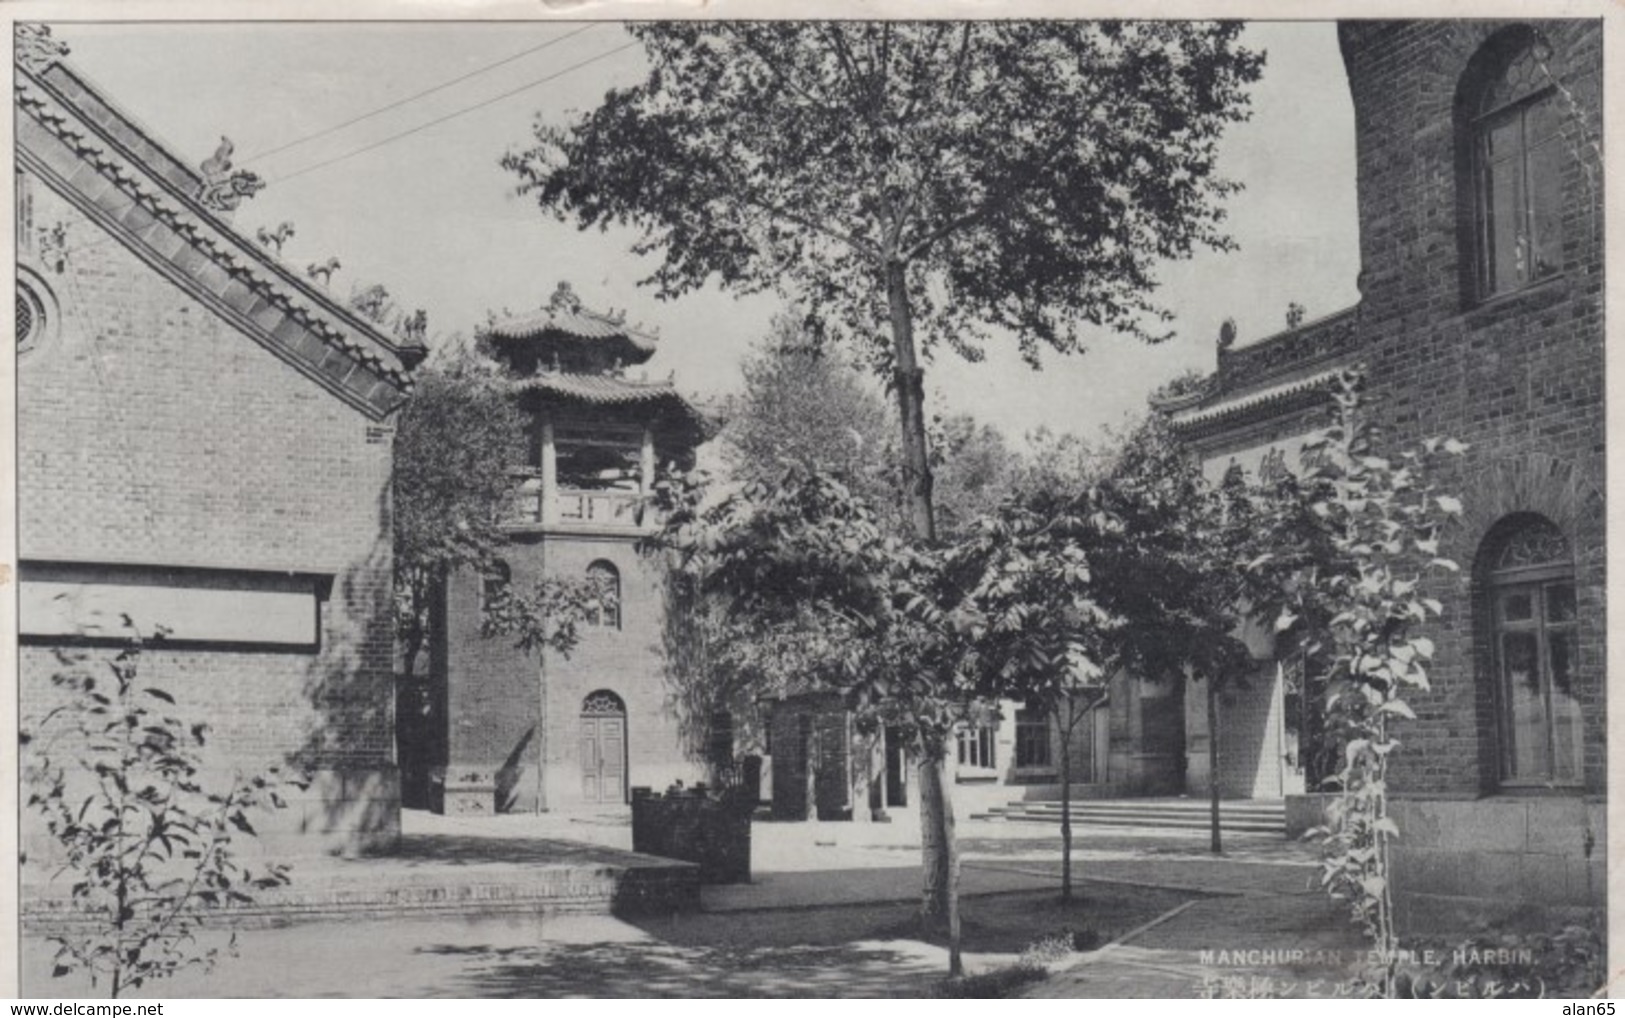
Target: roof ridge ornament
413,328
35,49
564,299
276,238
222,189
323,270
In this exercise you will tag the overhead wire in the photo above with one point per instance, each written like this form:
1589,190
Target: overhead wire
458,113
553,76
397,104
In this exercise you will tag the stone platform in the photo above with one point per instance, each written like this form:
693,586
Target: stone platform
446,873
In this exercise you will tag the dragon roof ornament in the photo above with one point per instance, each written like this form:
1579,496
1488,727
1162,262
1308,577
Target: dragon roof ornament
223,189
35,48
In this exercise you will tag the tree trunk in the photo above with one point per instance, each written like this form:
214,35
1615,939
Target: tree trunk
940,893
939,897
814,753
1066,797
1213,760
908,378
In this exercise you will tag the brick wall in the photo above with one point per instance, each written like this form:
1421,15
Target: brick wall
839,785
522,715
152,433
1518,377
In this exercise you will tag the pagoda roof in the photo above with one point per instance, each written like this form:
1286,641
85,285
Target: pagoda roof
565,320
611,392
600,390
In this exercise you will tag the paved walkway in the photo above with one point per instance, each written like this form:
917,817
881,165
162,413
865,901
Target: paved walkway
1257,922
826,915
1272,932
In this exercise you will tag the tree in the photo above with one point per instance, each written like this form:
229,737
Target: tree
950,180
549,615
972,468
1039,627
1357,594
801,408
1105,562
1229,539
815,595
456,440
800,405
118,779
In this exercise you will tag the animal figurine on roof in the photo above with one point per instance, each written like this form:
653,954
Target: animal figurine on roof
277,237
222,190
219,164
323,271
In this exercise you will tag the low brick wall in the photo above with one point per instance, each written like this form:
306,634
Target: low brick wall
607,883
694,827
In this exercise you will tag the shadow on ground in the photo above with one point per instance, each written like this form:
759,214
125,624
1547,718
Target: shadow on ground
848,951
653,969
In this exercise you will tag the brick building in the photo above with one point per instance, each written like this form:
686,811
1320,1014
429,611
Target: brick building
1127,743
203,442
516,732
1481,318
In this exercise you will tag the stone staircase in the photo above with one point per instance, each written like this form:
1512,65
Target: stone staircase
1240,816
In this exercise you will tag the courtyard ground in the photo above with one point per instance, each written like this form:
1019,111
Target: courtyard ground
828,914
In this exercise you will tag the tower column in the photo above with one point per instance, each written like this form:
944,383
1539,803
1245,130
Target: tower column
550,474
646,462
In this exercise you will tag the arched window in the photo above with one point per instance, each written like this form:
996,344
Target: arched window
36,311
1529,578
1512,130
606,580
602,703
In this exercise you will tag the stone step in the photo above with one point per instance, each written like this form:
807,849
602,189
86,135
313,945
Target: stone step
1176,814
1240,827
1097,808
482,877
1186,805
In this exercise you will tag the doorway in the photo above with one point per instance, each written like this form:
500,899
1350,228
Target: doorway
603,748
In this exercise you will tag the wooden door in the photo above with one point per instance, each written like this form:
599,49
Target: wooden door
603,759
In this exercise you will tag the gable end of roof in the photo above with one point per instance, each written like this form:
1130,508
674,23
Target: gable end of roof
85,150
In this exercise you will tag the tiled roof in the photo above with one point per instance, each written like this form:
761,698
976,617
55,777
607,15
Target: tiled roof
600,390
578,323
143,195
1276,397
1278,357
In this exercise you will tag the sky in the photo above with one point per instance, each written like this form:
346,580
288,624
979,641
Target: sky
433,217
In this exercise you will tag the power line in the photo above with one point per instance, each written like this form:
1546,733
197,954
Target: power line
453,115
419,95
108,237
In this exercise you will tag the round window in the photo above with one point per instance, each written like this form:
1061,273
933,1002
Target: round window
30,318
35,305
